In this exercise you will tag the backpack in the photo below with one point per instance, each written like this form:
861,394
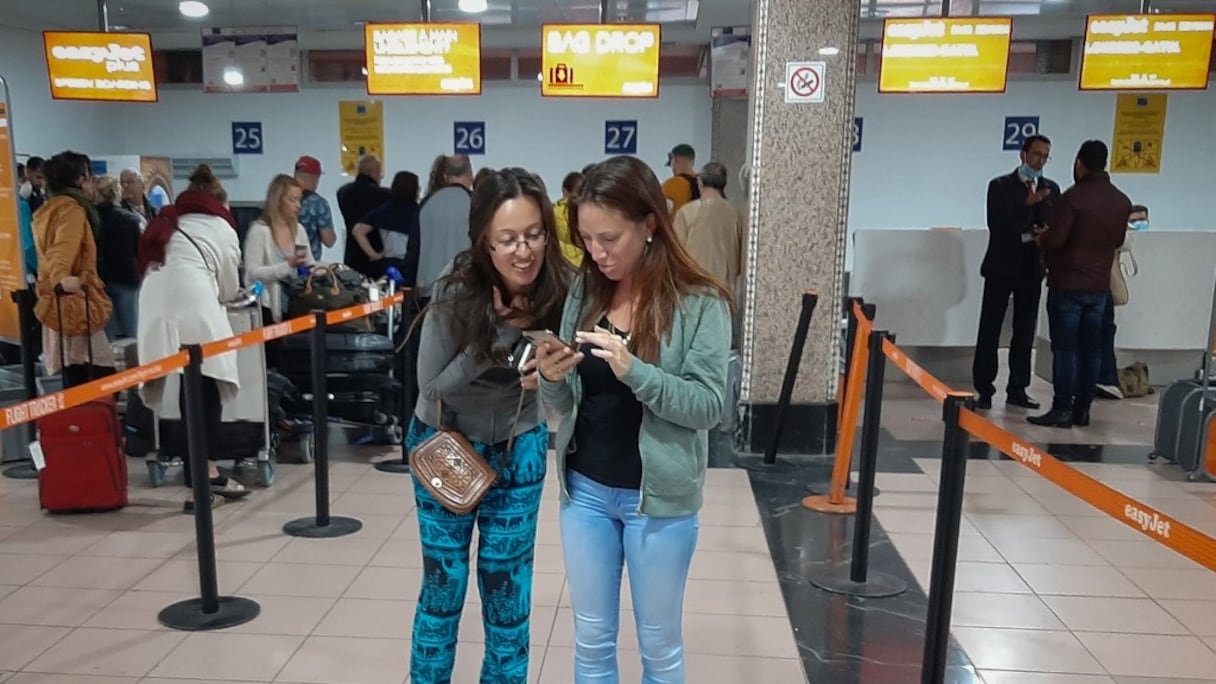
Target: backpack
693,186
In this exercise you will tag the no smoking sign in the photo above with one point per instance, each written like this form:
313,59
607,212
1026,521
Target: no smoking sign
804,82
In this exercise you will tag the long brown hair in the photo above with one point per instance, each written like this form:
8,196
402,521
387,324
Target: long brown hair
666,273
274,197
475,322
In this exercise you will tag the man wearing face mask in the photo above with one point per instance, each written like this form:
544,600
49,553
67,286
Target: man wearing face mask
1017,205
34,188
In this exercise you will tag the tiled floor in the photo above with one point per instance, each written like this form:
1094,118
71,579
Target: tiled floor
79,595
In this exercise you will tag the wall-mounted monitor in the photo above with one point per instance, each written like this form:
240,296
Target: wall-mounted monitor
968,55
600,60
423,59
1147,51
112,67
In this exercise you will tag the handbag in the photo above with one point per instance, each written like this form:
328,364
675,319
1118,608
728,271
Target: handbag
452,470
1118,277
329,288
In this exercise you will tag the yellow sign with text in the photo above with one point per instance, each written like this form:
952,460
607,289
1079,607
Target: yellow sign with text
360,132
12,276
1147,52
610,60
115,67
423,59
945,55
1139,133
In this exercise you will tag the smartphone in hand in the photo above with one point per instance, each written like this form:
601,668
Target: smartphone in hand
541,336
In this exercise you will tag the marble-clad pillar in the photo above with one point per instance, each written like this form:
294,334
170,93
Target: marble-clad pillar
799,157
729,144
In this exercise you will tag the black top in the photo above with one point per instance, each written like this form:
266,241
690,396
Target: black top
399,217
1009,218
355,200
607,428
118,246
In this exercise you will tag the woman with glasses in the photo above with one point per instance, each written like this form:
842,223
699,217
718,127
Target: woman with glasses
470,379
637,398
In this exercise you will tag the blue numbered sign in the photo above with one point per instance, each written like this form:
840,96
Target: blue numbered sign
858,127
247,137
1017,129
470,137
621,137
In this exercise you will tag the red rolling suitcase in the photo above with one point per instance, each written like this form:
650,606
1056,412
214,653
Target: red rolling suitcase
85,469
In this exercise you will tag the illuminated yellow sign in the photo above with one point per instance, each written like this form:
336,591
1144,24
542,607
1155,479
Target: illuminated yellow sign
100,66
1147,52
423,59
945,55
610,60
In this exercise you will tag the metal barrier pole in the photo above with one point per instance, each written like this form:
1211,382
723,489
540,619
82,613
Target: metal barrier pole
210,611
855,579
322,525
409,311
945,540
25,319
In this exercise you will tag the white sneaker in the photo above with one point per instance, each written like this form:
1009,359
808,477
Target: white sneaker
1109,391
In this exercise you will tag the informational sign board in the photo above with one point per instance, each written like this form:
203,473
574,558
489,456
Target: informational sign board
247,137
1147,51
1139,133
858,129
730,50
962,55
360,131
470,137
805,82
423,59
113,67
620,137
12,270
594,60
251,60
1017,130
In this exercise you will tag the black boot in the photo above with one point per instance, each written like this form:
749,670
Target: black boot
1056,419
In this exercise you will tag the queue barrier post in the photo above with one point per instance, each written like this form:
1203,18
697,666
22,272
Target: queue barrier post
209,611
945,539
855,579
24,298
322,525
769,461
409,312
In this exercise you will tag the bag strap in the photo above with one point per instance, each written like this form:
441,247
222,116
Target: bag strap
519,411
200,250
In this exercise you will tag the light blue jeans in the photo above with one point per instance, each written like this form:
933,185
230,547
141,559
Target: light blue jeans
124,318
602,531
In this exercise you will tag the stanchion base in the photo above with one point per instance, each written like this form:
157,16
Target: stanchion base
188,615
823,504
835,579
23,471
814,489
337,527
399,467
757,464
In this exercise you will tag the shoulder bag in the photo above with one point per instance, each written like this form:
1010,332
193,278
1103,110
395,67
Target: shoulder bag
1119,273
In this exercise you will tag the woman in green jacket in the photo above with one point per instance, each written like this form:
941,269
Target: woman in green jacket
637,396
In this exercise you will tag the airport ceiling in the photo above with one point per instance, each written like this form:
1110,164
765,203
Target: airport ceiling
512,23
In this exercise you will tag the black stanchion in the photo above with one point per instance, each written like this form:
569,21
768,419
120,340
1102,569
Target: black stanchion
856,578
210,610
409,364
945,540
322,525
769,462
24,299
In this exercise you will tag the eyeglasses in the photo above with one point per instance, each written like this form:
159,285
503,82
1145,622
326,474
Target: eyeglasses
534,242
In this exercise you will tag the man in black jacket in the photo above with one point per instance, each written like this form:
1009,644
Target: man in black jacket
356,200
1017,205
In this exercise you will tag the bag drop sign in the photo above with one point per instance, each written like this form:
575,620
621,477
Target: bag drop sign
600,61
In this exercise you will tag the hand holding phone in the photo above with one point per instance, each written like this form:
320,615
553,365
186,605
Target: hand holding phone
554,357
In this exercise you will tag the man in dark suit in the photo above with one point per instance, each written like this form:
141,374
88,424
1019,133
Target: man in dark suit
1017,205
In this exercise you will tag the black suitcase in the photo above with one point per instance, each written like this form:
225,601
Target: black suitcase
345,352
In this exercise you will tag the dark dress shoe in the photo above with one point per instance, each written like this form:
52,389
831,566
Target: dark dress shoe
1080,418
983,403
1056,419
1021,400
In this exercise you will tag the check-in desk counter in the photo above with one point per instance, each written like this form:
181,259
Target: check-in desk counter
1165,321
927,288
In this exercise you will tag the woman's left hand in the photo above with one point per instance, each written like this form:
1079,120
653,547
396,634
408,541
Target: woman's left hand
527,377
611,348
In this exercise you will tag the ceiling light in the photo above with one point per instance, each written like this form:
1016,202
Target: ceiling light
193,9
473,6
364,71
829,51
234,77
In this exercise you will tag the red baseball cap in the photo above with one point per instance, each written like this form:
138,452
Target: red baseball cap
309,164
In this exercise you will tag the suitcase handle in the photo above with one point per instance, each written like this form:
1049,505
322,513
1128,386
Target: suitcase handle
88,334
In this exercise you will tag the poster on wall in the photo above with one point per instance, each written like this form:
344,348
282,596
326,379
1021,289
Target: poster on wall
730,50
158,179
360,131
12,276
1139,133
251,60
